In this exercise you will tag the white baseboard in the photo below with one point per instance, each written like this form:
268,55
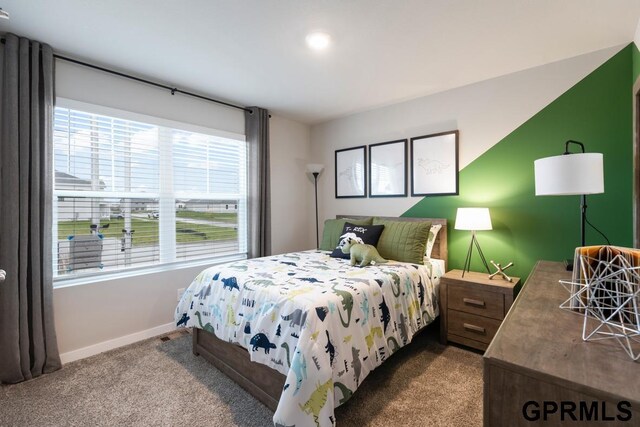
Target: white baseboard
91,350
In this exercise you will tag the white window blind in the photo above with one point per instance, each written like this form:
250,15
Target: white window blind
132,194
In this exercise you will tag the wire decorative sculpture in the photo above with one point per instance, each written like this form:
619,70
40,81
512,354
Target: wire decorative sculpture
607,293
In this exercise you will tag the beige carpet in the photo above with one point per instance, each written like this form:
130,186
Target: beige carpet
158,382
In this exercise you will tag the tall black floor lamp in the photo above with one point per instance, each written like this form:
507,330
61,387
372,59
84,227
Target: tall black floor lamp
578,173
315,170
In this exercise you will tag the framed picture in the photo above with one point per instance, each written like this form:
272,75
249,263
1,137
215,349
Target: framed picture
388,169
434,164
351,172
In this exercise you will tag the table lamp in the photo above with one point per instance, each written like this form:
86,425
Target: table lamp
473,219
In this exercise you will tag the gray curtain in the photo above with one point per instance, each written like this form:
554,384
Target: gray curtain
28,346
259,204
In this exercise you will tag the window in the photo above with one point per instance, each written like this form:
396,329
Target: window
135,191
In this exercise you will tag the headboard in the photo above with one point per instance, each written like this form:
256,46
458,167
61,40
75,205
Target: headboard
440,249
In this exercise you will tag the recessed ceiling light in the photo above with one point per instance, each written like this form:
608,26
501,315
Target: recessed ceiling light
318,40
4,14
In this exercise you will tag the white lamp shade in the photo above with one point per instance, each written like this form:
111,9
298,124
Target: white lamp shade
315,168
473,219
569,174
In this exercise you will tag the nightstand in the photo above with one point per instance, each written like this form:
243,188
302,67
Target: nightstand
473,307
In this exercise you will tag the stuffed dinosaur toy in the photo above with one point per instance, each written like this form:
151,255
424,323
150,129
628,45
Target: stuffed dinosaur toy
360,252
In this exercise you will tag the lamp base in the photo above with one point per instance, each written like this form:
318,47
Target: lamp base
467,261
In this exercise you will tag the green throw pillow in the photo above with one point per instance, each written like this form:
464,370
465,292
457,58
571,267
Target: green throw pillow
403,241
333,229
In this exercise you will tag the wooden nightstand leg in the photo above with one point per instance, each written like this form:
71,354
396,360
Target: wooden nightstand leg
443,312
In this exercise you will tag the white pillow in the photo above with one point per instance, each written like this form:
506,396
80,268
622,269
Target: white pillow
433,233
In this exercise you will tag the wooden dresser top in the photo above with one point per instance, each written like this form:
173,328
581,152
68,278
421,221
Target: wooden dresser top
538,337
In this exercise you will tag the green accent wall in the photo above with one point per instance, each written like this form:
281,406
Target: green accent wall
596,111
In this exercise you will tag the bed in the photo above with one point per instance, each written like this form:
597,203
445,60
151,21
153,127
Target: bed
301,331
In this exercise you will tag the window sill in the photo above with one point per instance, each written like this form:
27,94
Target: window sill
64,282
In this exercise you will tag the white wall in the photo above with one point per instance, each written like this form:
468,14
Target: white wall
95,87
484,113
636,39
90,314
292,209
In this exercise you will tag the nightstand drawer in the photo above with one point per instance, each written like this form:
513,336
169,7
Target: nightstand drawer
470,326
483,303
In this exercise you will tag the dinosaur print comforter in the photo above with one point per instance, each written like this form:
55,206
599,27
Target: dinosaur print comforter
322,323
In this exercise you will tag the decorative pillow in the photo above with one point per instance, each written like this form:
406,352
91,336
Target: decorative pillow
433,233
368,233
333,230
403,241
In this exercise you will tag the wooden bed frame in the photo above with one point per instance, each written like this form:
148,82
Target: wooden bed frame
262,382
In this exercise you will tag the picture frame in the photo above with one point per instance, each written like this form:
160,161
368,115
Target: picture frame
434,164
351,172
388,169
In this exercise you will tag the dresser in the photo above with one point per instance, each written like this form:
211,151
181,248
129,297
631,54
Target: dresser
472,307
538,360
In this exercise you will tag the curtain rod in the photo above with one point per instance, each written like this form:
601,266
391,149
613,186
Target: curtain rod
173,90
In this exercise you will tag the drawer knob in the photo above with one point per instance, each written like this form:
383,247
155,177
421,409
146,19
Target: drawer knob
475,302
473,328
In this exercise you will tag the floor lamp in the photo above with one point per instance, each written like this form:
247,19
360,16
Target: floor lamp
315,170
571,174
473,219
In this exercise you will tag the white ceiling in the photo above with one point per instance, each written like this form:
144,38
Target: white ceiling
252,52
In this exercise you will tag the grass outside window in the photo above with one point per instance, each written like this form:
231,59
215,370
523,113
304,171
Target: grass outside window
146,231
